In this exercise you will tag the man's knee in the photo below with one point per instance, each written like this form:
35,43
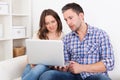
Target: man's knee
98,77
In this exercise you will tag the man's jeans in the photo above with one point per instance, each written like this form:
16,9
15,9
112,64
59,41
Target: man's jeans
59,75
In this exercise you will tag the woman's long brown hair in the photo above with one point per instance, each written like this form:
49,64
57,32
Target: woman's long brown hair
42,33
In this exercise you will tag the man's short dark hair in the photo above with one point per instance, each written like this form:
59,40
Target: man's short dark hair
74,6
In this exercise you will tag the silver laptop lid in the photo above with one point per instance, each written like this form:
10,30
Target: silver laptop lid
47,52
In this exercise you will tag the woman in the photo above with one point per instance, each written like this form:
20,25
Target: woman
50,29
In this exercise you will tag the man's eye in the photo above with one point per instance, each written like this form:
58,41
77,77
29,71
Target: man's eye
70,17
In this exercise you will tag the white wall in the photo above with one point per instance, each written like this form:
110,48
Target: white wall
104,14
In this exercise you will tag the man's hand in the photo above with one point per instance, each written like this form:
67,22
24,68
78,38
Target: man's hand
75,67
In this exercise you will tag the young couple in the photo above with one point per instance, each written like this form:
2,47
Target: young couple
87,49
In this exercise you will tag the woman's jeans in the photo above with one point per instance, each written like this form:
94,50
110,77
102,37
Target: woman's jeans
59,75
33,73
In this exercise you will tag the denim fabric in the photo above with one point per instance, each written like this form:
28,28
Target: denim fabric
59,75
33,73
98,77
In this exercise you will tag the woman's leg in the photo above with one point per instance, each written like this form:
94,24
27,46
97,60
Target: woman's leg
26,70
35,72
59,75
98,77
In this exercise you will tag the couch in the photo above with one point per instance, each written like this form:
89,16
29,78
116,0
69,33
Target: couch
12,69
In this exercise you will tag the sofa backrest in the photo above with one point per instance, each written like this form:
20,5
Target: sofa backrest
12,68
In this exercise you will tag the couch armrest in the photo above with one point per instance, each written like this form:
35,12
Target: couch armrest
12,68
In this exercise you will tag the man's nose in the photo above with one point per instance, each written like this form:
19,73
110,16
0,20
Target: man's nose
68,22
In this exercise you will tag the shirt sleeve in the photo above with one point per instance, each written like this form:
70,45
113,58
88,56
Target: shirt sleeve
66,52
106,51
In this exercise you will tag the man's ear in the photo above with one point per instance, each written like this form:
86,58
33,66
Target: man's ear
81,15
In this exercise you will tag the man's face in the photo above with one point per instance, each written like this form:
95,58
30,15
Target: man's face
72,19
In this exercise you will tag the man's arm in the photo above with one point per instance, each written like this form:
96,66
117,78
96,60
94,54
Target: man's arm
78,68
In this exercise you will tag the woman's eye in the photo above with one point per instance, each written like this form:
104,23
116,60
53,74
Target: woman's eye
53,21
46,23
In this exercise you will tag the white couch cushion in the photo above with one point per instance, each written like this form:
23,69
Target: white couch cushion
18,78
12,68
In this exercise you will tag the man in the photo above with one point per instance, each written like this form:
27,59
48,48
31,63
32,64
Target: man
88,49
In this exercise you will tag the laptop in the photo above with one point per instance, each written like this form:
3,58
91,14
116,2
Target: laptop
47,52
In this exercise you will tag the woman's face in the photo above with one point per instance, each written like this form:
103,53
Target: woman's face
51,23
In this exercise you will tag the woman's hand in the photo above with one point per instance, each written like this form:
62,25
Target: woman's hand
32,65
61,68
